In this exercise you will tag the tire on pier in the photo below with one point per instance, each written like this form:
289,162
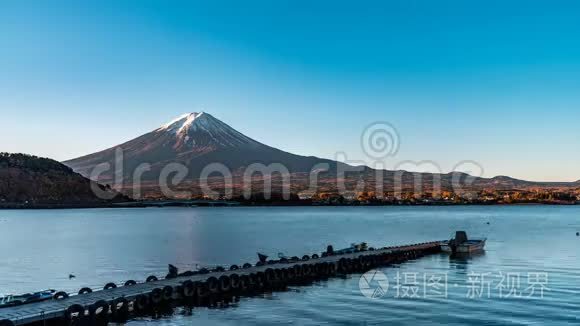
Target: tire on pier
156,296
235,282
305,257
151,278
60,295
281,275
332,269
259,280
290,275
85,291
342,265
245,283
130,283
168,293
225,284
142,303
99,313
321,270
120,310
213,285
298,275
247,265
270,277
315,256
306,271
234,267
109,286
74,313
201,290
188,289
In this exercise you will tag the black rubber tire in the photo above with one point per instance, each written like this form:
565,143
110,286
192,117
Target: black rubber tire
260,280
152,278
247,265
109,286
85,291
120,310
156,296
270,276
99,318
60,295
189,290
245,283
305,258
130,283
306,270
280,275
201,290
315,256
234,267
213,284
75,308
168,293
298,272
290,275
235,281
142,303
332,269
225,284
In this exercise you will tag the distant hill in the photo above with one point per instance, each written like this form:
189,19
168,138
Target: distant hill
29,181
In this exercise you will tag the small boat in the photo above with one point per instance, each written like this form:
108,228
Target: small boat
460,244
355,247
16,300
262,258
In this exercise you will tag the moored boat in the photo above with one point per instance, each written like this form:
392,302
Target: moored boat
16,300
461,244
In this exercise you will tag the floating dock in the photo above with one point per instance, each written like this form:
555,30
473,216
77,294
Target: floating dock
203,288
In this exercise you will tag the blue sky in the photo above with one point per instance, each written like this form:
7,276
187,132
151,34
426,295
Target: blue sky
496,82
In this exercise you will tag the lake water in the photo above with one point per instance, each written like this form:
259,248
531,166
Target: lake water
529,274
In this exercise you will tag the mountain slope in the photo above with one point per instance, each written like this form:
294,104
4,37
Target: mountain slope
194,140
197,140
31,181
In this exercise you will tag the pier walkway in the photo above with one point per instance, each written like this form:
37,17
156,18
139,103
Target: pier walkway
58,312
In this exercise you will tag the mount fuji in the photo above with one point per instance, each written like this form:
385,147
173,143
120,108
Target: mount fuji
193,140
196,140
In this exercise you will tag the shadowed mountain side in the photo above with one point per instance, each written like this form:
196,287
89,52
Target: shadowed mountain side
32,181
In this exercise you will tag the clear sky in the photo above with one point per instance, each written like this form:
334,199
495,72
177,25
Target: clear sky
497,82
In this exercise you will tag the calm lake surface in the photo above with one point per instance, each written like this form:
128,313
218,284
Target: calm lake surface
530,249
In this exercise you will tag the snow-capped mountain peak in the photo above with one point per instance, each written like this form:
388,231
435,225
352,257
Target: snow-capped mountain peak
182,122
201,129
